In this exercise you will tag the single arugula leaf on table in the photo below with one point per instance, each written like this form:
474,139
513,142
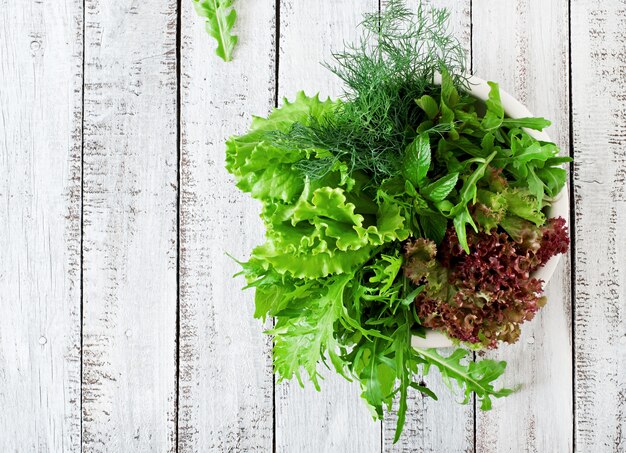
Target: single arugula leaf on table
220,18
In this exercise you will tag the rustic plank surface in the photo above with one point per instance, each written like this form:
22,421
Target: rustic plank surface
120,326
40,147
524,46
443,425
130,228
334,420
599,123
226,383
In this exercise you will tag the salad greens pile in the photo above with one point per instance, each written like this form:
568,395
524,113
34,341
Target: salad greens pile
401,207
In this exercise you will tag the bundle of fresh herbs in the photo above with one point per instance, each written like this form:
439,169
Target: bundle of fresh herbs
404,206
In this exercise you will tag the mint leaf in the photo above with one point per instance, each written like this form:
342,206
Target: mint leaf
440,189
417,160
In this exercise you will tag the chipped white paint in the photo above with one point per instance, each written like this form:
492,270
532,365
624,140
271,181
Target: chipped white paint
40,138
523,45
129,226
226,383
222,396
599,123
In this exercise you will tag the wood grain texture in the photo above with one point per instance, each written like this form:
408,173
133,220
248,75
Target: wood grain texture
132,244
599,124
335,419
226,383
130,226
523,44
443,425
40,147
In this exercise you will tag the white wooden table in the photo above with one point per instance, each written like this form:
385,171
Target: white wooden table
120,327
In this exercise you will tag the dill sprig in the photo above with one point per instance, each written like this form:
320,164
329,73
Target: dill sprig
391,65
395,61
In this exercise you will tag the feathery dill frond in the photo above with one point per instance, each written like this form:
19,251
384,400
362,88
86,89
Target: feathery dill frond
395,60
384,72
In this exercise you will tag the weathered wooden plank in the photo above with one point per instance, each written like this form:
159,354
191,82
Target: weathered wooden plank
226,383
433,426
335,419
524,46
443,425
40,165
130,226
599,122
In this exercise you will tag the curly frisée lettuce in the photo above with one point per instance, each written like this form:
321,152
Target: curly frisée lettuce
314,228
404,206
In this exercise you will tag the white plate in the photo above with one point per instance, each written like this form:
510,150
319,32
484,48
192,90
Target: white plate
559,208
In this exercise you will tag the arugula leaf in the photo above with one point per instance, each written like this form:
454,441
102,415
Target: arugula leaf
461,219
556,161
429,105
377,377
386,271
535,151
468,191
474,377
220,19
495,112
538,124
449,93
553,178
408,300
